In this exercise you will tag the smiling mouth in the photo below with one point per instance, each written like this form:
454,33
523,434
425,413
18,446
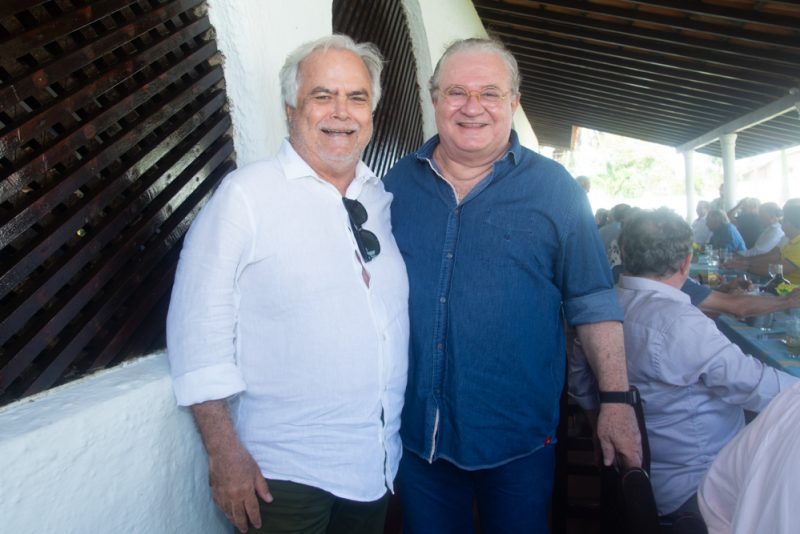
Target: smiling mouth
337,132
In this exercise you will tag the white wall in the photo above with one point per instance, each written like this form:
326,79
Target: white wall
107,453
255,36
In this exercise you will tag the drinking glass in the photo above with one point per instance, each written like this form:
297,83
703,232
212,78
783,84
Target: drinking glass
774,268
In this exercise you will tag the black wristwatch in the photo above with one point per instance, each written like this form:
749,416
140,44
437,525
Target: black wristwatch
620,397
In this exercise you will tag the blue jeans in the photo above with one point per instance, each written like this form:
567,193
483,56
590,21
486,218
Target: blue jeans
511,498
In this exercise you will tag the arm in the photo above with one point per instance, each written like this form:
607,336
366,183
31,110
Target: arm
616,424
234,476
745,305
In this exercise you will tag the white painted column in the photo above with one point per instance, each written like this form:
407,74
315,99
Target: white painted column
688,168
786,191
728,144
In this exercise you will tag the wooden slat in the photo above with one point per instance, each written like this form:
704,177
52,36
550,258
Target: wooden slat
112,140
56,28
65,147
43,288
130,279
13,275
65,65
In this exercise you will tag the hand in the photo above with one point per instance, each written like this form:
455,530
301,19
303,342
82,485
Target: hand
619,436
235,480
736,287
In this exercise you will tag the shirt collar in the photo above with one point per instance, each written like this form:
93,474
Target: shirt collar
638,283
514,152
295,167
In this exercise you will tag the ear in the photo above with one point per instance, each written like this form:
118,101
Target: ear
515,102
686,264
289,112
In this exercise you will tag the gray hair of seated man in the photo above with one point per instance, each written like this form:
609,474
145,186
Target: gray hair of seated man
654,243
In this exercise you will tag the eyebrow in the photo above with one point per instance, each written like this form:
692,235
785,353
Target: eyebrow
326,90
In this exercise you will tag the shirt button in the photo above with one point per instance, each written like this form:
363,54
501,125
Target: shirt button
442,300
450,255
440,346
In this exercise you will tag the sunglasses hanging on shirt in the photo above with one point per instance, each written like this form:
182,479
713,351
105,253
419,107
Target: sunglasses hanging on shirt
368,244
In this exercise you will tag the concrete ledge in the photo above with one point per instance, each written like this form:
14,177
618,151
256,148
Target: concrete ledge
108,453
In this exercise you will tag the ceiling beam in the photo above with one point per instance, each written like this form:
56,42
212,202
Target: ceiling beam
637,38
790,102
684,21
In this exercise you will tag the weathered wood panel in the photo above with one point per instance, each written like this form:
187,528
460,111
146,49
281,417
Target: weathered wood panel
113,133
398,118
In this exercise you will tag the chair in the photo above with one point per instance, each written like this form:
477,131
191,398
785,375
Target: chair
639,506
632,506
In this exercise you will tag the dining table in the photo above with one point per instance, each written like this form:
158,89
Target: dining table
769,345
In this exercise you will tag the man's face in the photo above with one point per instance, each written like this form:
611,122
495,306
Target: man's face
475,130
332,122
701,210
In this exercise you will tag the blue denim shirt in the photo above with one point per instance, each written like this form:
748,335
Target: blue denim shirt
491,281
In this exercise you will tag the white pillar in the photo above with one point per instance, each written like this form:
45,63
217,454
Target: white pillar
786,190
688,172
728,144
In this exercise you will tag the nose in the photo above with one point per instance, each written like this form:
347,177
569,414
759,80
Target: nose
473,104
341,107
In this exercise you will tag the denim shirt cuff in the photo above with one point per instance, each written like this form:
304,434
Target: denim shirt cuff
593,308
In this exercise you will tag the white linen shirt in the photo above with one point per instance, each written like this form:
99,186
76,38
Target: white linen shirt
753,484
767,240
270,308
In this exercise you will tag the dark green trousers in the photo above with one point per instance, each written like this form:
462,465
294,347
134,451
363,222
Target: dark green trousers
300,509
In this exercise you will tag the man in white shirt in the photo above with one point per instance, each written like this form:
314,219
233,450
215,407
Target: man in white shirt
753,484
288,325
693,381
769,215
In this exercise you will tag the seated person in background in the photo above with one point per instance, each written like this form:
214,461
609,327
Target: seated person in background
693,381
699,229
610,231
759,264
753,484
789,252
744,216
769,214
601,217
724,235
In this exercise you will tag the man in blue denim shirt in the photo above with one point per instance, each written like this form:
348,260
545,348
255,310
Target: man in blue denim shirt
501,247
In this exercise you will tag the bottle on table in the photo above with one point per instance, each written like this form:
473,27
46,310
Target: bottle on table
778,285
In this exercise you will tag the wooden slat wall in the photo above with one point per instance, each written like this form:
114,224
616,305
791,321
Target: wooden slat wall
113,133
398,118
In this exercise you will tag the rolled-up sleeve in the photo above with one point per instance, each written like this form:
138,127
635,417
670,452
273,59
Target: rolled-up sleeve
201,323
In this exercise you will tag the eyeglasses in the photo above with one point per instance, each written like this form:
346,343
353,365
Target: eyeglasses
458,96
368,244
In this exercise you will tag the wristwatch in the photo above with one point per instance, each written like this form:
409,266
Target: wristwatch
620,397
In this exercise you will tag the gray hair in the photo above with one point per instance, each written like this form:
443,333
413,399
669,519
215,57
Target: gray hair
490,46
654,243
368,52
